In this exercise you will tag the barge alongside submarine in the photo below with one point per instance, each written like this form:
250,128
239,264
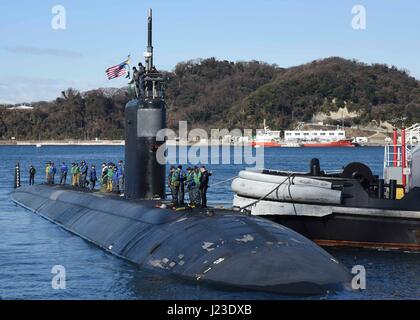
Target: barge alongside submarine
211,245
351,207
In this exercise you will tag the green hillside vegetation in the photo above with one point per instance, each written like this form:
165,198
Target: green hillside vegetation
222,94
377,92
72,116
202,92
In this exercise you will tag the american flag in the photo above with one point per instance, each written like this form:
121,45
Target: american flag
118,70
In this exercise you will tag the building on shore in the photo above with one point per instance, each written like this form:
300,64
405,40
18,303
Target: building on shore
314,135
21,107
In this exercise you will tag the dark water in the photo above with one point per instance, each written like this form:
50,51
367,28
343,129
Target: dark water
30,246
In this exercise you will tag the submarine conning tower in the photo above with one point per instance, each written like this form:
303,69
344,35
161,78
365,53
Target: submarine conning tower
144,117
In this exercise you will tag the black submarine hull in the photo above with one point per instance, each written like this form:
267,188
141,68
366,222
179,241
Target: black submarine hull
224,248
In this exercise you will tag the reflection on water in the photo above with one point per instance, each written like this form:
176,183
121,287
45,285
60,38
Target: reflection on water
30,246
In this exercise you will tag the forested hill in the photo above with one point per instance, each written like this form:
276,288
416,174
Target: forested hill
376,92
222,94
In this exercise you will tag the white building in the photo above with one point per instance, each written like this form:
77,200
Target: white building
22,107
361,140
314,135
267,135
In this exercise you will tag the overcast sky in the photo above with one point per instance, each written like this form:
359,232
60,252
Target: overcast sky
38,61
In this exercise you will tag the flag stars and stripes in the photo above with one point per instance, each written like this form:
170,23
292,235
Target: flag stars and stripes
118,70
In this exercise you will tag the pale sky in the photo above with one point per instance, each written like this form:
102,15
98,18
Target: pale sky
38,62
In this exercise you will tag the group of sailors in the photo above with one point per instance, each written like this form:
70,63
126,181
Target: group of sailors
112,178
112,175
137,79
195,180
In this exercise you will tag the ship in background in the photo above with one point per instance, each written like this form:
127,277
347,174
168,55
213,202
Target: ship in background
266,138
345,143
318,138
302,138
348,207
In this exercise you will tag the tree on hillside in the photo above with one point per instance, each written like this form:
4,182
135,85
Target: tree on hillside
210,93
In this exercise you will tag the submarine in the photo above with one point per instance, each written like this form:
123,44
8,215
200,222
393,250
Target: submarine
214,246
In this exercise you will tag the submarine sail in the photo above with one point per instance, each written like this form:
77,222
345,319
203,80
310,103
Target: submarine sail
145,116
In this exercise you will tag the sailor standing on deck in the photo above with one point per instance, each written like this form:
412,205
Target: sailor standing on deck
134,81
196,189
75,170
50,173
72,174
76,174
115,179
110,177
83,174
93,178
47,173
141,74
181,193
104,176
175,183
171,173
121,177
190,184
63,171
32,173
53,170
204,185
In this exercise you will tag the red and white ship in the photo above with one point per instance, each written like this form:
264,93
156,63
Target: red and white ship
266,138
319,138
346,143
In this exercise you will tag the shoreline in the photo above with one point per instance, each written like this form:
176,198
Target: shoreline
70,142
75,142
